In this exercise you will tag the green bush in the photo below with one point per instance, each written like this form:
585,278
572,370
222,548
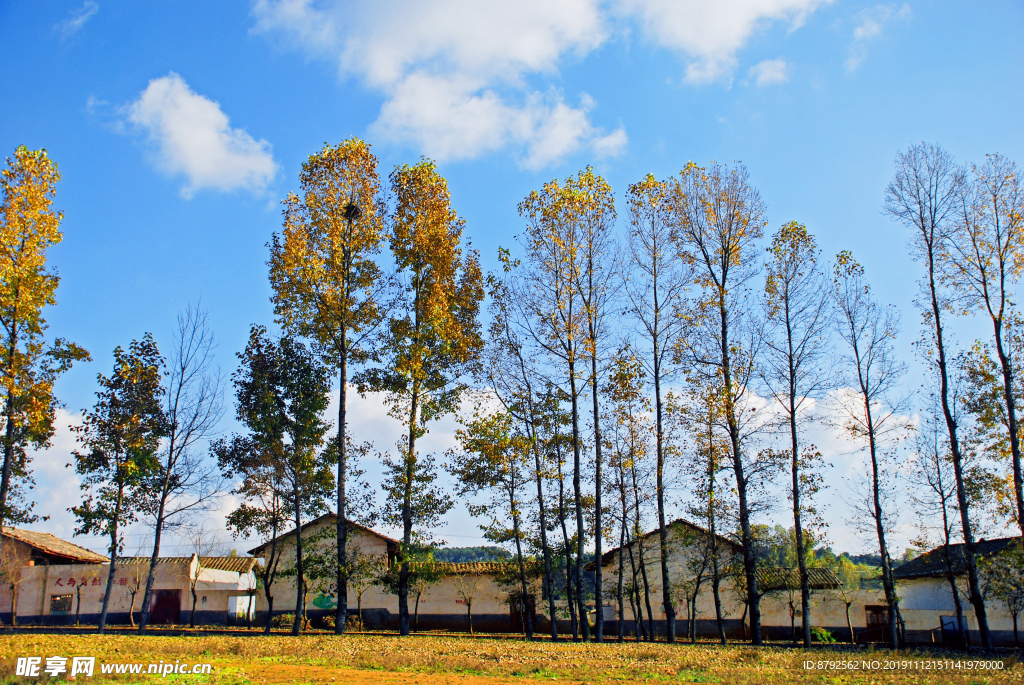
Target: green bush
821,635
287,621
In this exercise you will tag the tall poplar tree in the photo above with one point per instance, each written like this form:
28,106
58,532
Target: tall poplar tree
557,320
872,369
186,482
513,376
433,338
29,225
328,286
655,284
986,255
592,205
493,461
718,218
281,391
923,196
796,347
120,438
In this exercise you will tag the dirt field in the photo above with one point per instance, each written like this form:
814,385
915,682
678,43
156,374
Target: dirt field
437,660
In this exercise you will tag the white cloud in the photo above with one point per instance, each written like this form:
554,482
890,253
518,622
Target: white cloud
770,72
192,136
711,33
871,23
458,75
454,72
77,19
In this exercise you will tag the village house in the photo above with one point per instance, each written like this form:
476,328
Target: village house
690,569
47,580
452,595
926,597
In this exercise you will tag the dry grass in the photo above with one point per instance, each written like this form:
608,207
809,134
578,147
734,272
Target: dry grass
366,659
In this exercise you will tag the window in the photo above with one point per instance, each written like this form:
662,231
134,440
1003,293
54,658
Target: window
877,615
60,604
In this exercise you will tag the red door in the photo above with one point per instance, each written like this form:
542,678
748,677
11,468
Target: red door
166,607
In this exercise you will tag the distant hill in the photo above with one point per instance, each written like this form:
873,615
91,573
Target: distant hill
876,560
462,555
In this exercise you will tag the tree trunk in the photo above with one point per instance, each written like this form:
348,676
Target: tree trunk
976,596
527,615
666,597
410,469
719,620
622,543
647,589
961,624
578,499
570,598
8,470
195,599
300,585
469,615
113,560
691,615
638,612
270,610
14,606
1006,365
849,624
147,596
269,574
598,530
890,595
549,576
805,587
749,561
341,612
716,577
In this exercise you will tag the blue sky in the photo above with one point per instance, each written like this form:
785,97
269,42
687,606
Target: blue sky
178,128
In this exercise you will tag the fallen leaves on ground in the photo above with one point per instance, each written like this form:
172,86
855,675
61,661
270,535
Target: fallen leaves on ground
435,660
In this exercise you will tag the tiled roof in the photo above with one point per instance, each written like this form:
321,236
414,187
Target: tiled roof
125,561
256,551
933,563
236,564
451,568
52,545
609,556
775,578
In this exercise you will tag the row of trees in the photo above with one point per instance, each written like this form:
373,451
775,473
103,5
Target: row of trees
619,377
140,453
664,346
